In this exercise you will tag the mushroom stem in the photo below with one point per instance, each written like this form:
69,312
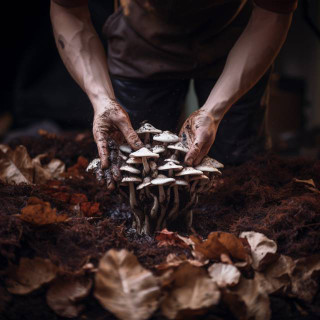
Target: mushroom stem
147,137
155,207
162,196
175,203
146,167
162,215
133,200
189,219
194,186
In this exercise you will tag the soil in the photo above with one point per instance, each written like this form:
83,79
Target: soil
260,195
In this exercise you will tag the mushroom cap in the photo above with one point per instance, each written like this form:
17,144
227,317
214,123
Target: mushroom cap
130,169
93,165
179,146
144,152
134,161
167,137
200,177
207,168
161,180
172,160
131,179
171,166
145,183
213,162
180,182
148,128
158,149
189,171
125,148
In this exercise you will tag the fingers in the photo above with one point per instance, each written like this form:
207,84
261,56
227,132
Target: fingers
194,152
130,135
103,151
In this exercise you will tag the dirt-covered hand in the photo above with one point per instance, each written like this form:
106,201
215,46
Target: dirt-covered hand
200,131
112,121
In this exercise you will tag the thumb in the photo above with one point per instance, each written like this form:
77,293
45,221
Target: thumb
194,152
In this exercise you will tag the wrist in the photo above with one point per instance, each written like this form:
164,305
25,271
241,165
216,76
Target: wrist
216,110
102,103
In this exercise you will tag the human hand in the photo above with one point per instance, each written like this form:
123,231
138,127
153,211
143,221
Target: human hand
112,121
200,131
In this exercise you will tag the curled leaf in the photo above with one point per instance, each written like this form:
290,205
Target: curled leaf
30,275
248,300
124,287
263,250
275,278
167,238
65,294
224,274
306,277
192,293
173,261
40,213
219,243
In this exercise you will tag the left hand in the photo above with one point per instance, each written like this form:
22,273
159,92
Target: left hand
200,131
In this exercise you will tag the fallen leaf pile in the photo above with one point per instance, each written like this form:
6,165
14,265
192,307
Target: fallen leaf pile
16,166
181,287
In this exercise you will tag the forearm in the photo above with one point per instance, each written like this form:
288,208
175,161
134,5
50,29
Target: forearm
82,52
250,58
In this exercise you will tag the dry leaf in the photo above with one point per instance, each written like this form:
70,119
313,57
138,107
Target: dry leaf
248,300
219,243
167,238
64,295
263,250
40,213
276,277
30,275
192,293
309,182
124,287
173,261
17,167
224,274
305,277
77,170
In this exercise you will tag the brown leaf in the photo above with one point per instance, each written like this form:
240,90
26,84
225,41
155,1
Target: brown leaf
64,295
167,238
17,167
248,300
173,261
30,275
219,243
77,198
310,182
263,250
40,213
90,209
224,274
192,293
77,170
275,278
124,287
305,277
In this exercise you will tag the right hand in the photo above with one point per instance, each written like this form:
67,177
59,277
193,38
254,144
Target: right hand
112,121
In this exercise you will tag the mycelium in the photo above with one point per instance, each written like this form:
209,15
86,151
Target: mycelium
167,190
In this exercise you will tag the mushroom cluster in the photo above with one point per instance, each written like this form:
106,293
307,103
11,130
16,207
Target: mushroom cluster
161,188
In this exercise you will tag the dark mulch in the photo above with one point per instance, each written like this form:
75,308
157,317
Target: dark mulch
259,195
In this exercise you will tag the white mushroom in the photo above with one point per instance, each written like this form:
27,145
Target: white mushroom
134,161
158,149
196,180
125,148
166,137
211,162
171,166
130,169
161,181
144,154
146,129
93,165
172,160
179,146
130,181
187,172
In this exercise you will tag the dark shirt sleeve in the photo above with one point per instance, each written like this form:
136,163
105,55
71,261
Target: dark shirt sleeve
279,6
71,3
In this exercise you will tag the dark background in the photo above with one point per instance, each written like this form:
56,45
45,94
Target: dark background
36,86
